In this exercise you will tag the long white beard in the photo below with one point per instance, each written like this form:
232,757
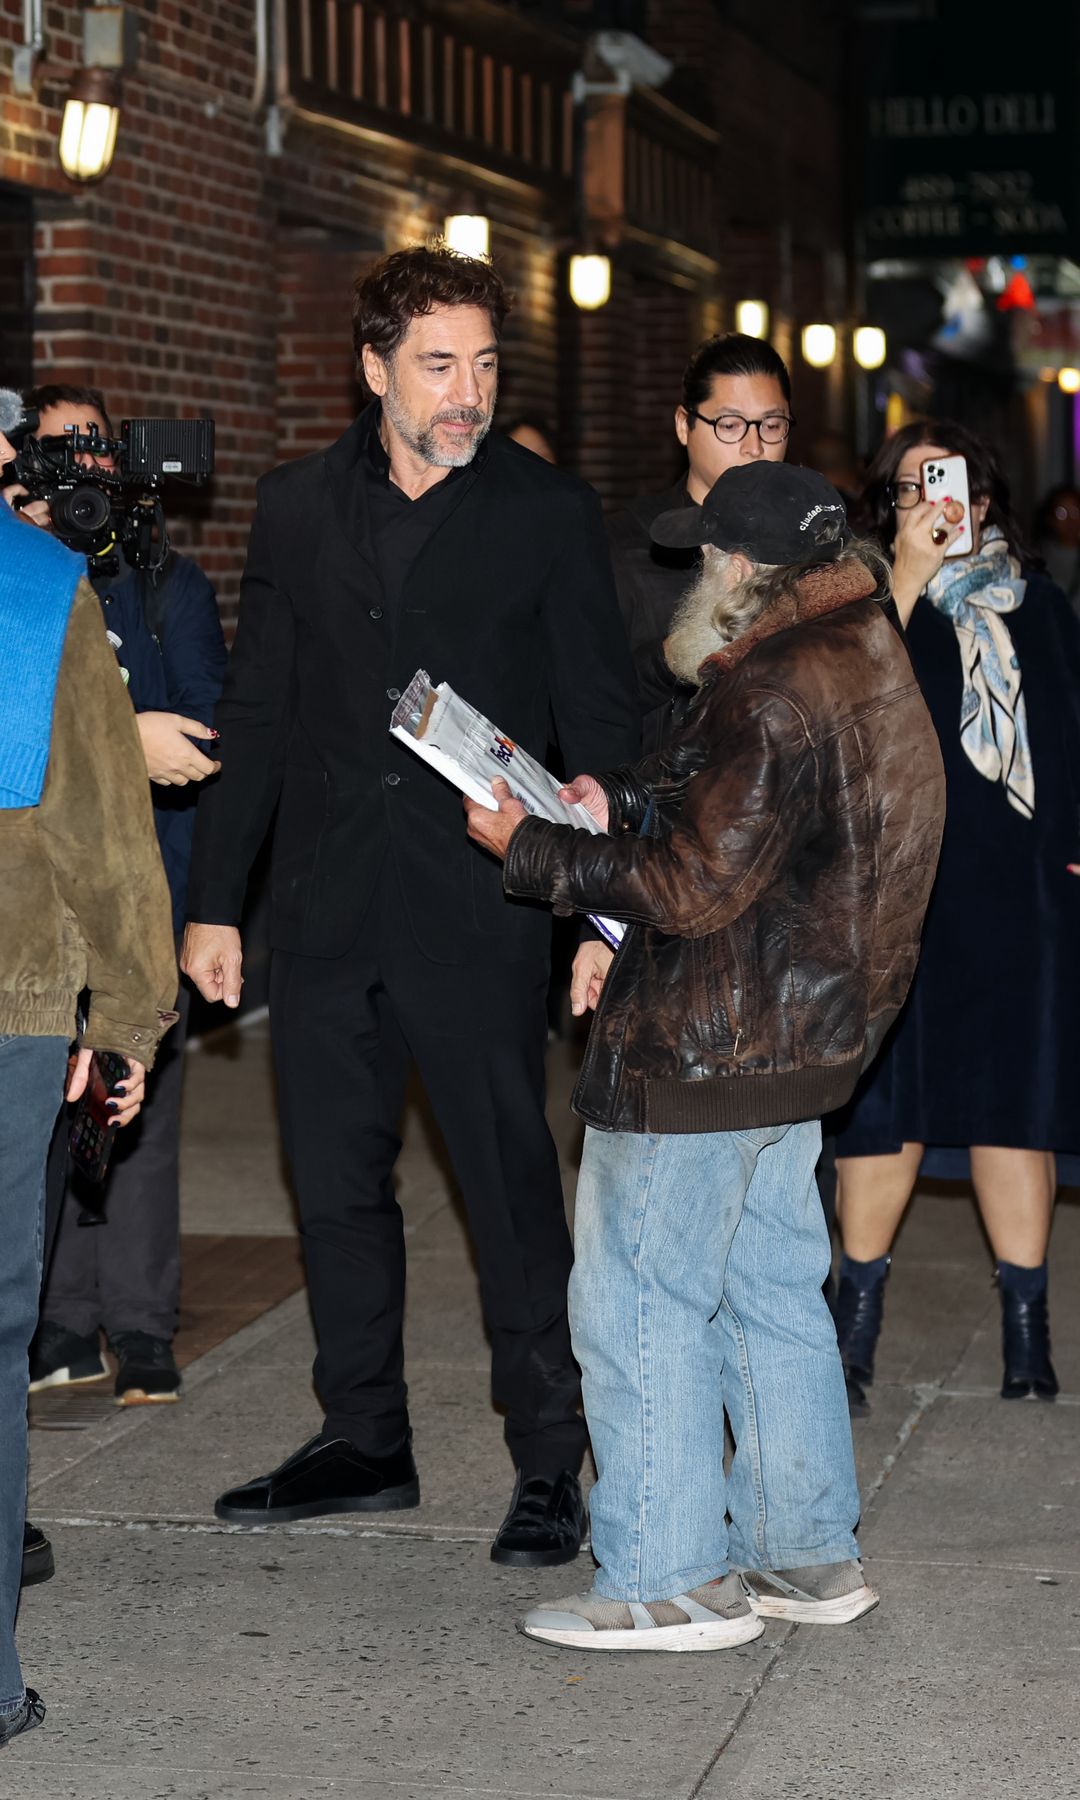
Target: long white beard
695,632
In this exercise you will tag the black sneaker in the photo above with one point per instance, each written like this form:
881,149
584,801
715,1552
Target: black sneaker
61,1358
147,1374
37,1557
30,1713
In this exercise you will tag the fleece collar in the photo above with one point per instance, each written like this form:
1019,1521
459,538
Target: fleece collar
823,590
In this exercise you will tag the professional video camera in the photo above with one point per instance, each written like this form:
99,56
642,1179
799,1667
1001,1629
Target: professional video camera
100,512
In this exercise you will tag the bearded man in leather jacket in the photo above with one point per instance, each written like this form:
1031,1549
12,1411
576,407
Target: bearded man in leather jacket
772,864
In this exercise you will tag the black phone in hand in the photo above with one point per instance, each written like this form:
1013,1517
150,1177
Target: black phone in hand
93,1128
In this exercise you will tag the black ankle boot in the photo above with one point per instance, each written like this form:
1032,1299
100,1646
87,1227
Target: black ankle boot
1025,1334
857,1311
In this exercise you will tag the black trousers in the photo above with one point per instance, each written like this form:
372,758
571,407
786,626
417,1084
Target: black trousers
345,1033
112,1254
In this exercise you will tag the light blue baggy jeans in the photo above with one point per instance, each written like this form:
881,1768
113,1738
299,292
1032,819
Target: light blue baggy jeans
31,1090
697,1289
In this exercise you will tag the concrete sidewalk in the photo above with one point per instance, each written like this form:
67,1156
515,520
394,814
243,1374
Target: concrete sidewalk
180,1659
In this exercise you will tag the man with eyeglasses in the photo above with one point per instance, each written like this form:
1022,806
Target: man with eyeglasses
735,410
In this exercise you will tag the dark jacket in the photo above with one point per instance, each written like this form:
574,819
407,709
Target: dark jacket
510,600
775,913
650,582
173,653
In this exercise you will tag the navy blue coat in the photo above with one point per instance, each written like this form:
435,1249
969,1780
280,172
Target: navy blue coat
987,1049
180,670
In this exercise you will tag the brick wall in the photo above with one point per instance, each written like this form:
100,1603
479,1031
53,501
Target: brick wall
158,284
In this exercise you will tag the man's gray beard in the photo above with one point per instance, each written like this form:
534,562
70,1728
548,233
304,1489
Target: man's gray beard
421,439
694,633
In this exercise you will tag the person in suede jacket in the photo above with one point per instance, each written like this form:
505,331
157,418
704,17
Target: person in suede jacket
83,904
772,865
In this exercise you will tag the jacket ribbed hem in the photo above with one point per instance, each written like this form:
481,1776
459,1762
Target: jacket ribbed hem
37,1015
742,1102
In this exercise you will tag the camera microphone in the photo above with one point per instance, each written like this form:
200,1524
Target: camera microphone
13,414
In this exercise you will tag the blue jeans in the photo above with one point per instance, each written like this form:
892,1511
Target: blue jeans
31,1089
697,1289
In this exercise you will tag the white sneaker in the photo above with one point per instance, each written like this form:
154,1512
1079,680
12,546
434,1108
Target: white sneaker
709,1618
825,1594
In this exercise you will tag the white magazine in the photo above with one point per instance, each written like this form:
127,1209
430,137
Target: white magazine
454,738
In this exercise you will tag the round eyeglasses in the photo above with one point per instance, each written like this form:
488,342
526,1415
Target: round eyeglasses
731,428
905,494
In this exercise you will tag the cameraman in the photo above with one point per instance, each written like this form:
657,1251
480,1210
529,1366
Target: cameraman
125,1278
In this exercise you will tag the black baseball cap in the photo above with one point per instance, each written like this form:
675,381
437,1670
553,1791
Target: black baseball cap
772,512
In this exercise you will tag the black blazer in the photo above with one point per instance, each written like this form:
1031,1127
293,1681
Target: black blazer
651,581
511,600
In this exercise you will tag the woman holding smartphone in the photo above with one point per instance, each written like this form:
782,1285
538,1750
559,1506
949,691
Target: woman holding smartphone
980,1073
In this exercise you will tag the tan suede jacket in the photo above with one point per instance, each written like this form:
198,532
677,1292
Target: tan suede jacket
83,897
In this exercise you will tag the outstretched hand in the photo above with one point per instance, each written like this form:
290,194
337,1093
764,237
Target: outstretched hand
495,829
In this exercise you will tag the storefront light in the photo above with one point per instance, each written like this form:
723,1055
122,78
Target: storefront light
468,233
818,345
590,281
90,123
1069,381
752,318
869,346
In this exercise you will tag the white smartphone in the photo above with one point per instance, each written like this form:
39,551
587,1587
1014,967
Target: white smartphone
946,478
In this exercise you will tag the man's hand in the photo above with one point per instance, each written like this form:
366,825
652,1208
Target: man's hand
495,829
213,957
129,1095
588,975
586,791
171,758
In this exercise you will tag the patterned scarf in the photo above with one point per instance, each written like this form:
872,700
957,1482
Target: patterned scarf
974,591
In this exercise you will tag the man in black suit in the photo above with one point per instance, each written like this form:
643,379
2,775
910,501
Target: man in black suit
415,540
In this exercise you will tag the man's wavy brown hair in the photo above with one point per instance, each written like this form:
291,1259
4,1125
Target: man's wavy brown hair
408,283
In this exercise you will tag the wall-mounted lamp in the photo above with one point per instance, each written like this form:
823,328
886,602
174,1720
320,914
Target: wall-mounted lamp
869,346
1069,381
92,107
818,345
468,233
752,318
91,120
590,281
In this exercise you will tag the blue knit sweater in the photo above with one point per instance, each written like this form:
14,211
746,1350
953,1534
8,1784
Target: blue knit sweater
38,578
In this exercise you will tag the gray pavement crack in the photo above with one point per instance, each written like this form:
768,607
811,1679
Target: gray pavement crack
756,1686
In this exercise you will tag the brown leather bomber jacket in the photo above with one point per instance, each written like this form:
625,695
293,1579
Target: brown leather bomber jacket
776,903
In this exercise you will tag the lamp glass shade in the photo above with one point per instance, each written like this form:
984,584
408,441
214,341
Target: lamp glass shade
752,318
818,345
90,123
1069,381
468,233
869,346
590,281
